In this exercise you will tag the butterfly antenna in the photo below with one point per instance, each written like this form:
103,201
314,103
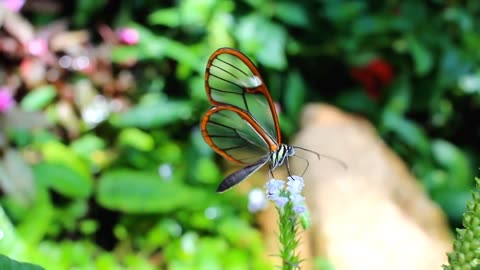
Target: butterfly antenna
319,156
306,160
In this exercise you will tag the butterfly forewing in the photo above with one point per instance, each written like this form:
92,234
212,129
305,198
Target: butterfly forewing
232,79
231,135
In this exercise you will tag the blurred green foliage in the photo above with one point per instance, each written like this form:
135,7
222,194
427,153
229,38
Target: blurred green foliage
103,163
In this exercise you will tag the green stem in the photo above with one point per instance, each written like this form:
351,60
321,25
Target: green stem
466,247
288,224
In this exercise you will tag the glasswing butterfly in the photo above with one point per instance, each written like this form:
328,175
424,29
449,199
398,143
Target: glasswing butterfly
242,124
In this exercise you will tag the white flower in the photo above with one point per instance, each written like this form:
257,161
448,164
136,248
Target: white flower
295,184
279,201
256,200
273,187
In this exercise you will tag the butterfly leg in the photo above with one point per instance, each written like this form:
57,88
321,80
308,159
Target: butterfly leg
306,160
287,163
270,171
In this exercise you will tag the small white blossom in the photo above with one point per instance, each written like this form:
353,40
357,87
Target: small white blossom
256,200
295,184
279,201
273,187
298,202
299,209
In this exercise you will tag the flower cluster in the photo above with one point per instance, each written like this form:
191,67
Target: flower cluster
291,208
281,193
466,253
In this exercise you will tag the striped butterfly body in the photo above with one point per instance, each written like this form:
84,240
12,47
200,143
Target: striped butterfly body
242,124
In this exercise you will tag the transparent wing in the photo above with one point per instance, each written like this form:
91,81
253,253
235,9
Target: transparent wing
233,134
232,79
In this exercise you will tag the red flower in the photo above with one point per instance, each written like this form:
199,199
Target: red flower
375,76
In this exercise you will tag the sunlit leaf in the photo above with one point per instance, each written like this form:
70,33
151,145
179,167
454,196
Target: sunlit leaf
264,39
154,115
63,179
143,192
9,264
165,16
88,145
38,219
38,98
136,138
206,171
57,153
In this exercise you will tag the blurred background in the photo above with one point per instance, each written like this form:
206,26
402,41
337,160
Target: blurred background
102,162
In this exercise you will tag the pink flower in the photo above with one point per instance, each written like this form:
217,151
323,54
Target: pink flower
6,100
12,5
129,36
37,47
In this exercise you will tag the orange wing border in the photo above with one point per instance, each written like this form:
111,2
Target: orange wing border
273,146
262,89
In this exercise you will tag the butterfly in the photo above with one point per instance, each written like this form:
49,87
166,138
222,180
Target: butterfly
242,124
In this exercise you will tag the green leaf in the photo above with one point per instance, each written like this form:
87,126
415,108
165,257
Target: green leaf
295,94
154,115
38,98
165,16
455,161
9,264
10,242
453,201
84,11
63,179
206,170
87,145
343,11
125,53
421,56
357,101
292,13
400,97
38,219
136,138
263,39
409,132
144,192
56,153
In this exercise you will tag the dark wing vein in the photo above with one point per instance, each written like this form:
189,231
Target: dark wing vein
241,71
225,80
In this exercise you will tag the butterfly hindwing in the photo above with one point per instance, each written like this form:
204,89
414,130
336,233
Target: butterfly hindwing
230,133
